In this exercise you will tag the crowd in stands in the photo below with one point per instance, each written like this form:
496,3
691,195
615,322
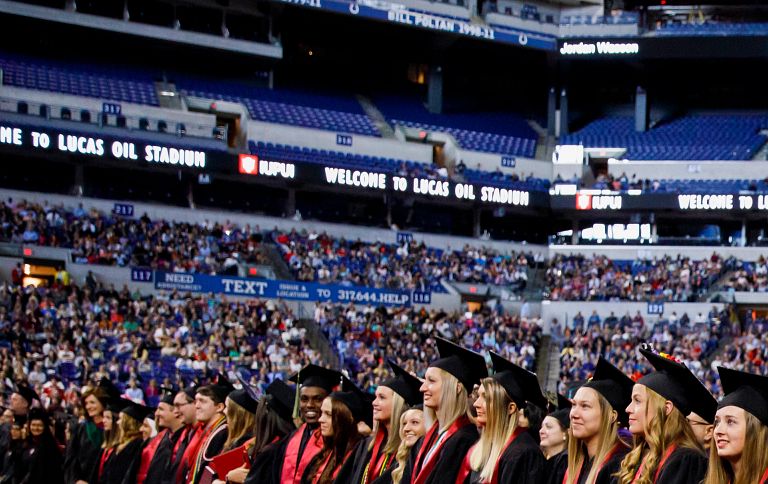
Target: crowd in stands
364,338
598,278
61,336
107,239
320,257
747,276
694,341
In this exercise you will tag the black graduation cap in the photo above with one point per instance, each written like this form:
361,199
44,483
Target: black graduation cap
26,392
467,366
167,395
221,387
190,391
19,420
281,398
745,390
521,385
613,385
116,405
245,397
360,404
109,388
37,414
563,412
317,376
675,382
404,384
137,411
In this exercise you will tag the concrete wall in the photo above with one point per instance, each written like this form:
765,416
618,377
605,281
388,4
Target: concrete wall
630,252
565,311
492,162
196,124
695,170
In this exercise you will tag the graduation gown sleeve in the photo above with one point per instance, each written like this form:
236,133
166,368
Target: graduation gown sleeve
522,462
81,459
43,464
555,468
684,466
263,469
606,474
127,463
358,461
452,454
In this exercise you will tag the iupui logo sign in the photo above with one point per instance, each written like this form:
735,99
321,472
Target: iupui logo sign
251,165
586,201
583,202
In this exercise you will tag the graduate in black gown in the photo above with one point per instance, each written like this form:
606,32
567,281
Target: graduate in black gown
665,450
297,449
739,455
439,455
161,469
122,466
274,422
13,450
41,461
506,452
411,430
595,449
81,458
553,441
340,414
377,454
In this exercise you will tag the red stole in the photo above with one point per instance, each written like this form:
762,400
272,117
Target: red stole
336,470
764,479
466,469
105,455
378,463
180,441
146,456
422,470
616,447
188,458
293,468
667,453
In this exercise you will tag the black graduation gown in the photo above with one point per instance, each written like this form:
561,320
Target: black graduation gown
122,467
521,462
555,468
358,461
12,461
263,469
159,471
42,462
606,474
81,459
173,467
450,458
684,466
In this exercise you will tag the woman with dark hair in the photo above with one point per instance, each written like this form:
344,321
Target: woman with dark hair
41,461
665,448
84,448
339,417
740,451
12,457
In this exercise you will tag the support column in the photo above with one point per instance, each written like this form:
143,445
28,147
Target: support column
641,110
574,232
476,228
743,241
435,90
551,110
79,180
290,204
564,112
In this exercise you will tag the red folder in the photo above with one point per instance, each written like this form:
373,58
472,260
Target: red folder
228,461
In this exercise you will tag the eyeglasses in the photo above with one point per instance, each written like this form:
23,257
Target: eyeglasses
179,405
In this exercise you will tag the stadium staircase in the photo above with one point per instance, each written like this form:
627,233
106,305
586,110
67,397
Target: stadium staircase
548,364
377,118
318,341
282,272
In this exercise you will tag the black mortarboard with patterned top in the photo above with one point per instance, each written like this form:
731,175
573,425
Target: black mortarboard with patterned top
26,392
563,412
137,411
675,382
613,385
360,404
167,395
467,366
281,398
746,391
317,376
404,384
246,397
221,387
521,385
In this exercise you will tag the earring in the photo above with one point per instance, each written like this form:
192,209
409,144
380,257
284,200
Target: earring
565,438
